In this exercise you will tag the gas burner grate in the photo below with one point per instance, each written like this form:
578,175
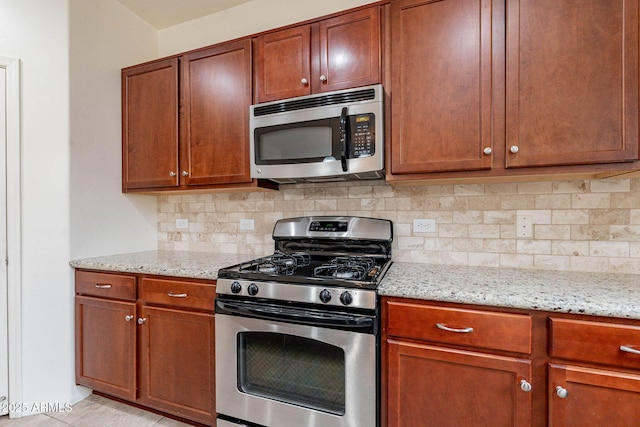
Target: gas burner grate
278,263
353,268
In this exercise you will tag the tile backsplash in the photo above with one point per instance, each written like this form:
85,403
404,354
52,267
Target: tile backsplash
582,225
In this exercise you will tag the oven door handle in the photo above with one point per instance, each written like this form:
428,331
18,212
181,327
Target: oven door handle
299,316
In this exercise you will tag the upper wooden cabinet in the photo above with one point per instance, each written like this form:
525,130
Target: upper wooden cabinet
441,84
150,125
512,87
572,82
185,120
336,53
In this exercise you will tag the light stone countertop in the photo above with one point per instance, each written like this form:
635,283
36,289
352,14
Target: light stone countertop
613,295
598,294
194,265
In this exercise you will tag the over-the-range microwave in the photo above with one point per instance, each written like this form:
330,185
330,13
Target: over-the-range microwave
333,136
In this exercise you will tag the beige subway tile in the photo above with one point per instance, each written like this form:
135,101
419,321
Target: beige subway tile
553,201
501,188
516,261
500,245
578,186
401,229
569,216
410,242
590,264
552,232
484,202
325,205
453,230
625,200
624,265
383,191
468,217
591,201
507,231
174,198
468,245
609,249
625,232
397,203
634,216
265,206
293,194
165,246
181,246
610,185
518,201
210,207
571,248
372,204
634,250
453,202
449,258
551,262
468,190
348,204
166,207
539,247
204,198
361,192
609,216
484,231
481,259
438,190
535,187
589,232
499,217
437,244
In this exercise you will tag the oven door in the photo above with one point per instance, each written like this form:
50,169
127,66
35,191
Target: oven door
275,371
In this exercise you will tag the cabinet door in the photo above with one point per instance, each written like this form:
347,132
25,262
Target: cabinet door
150,125
349,51
106,346
216,87
283,64
593,398
177,362
441,84
572,82
434,386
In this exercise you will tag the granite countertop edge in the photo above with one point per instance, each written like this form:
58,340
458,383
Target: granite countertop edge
597,294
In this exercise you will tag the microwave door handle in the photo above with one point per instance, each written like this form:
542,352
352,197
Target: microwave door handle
343,138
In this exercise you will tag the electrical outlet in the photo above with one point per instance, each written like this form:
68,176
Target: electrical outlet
424,225
247,224
524,226
182,224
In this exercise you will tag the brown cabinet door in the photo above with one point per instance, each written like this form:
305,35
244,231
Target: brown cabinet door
441,85
150,125
283,64
177,362
452,388
349,51
216,88
592,397
106,346
572,82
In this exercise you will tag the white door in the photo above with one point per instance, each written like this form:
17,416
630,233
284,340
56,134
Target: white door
4,355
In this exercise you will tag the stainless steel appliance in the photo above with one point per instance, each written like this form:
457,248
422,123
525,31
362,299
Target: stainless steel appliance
297,332
334,136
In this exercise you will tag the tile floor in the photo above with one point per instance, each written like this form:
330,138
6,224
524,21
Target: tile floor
95,411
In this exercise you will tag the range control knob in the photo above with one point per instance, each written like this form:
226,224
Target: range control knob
252,289
236,287
346,298
325,296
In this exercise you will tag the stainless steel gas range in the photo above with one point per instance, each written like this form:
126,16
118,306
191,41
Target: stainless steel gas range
297,332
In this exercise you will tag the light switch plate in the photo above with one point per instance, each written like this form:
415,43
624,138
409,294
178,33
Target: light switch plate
524,226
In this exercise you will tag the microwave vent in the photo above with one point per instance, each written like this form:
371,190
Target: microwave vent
315,101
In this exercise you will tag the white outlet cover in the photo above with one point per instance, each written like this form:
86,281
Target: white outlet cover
182,224
424,225
247,224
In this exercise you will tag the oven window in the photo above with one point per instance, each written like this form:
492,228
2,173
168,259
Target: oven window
292,369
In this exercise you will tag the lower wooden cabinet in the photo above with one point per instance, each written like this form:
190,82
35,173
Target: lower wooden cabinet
437,386
148,340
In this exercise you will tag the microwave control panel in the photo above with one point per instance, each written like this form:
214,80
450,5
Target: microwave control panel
362,143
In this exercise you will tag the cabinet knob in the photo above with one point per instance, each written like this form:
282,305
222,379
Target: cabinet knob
487,151
304,81
128,317
562,392
141,320
172,174
185,173
514,149
323,78
525,385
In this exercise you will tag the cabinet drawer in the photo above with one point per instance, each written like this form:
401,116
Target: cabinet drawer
597,342
178,293
497,331
107,285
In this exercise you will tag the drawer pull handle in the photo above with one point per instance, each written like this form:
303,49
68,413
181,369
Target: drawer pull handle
525,385
448,329
562,392
629,349
102,286
171,294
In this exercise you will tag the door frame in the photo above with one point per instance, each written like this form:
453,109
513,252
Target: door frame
14,228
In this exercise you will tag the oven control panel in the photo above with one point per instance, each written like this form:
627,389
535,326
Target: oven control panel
310,294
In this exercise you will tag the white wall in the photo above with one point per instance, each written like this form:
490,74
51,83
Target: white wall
104,37
62,220
246,19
